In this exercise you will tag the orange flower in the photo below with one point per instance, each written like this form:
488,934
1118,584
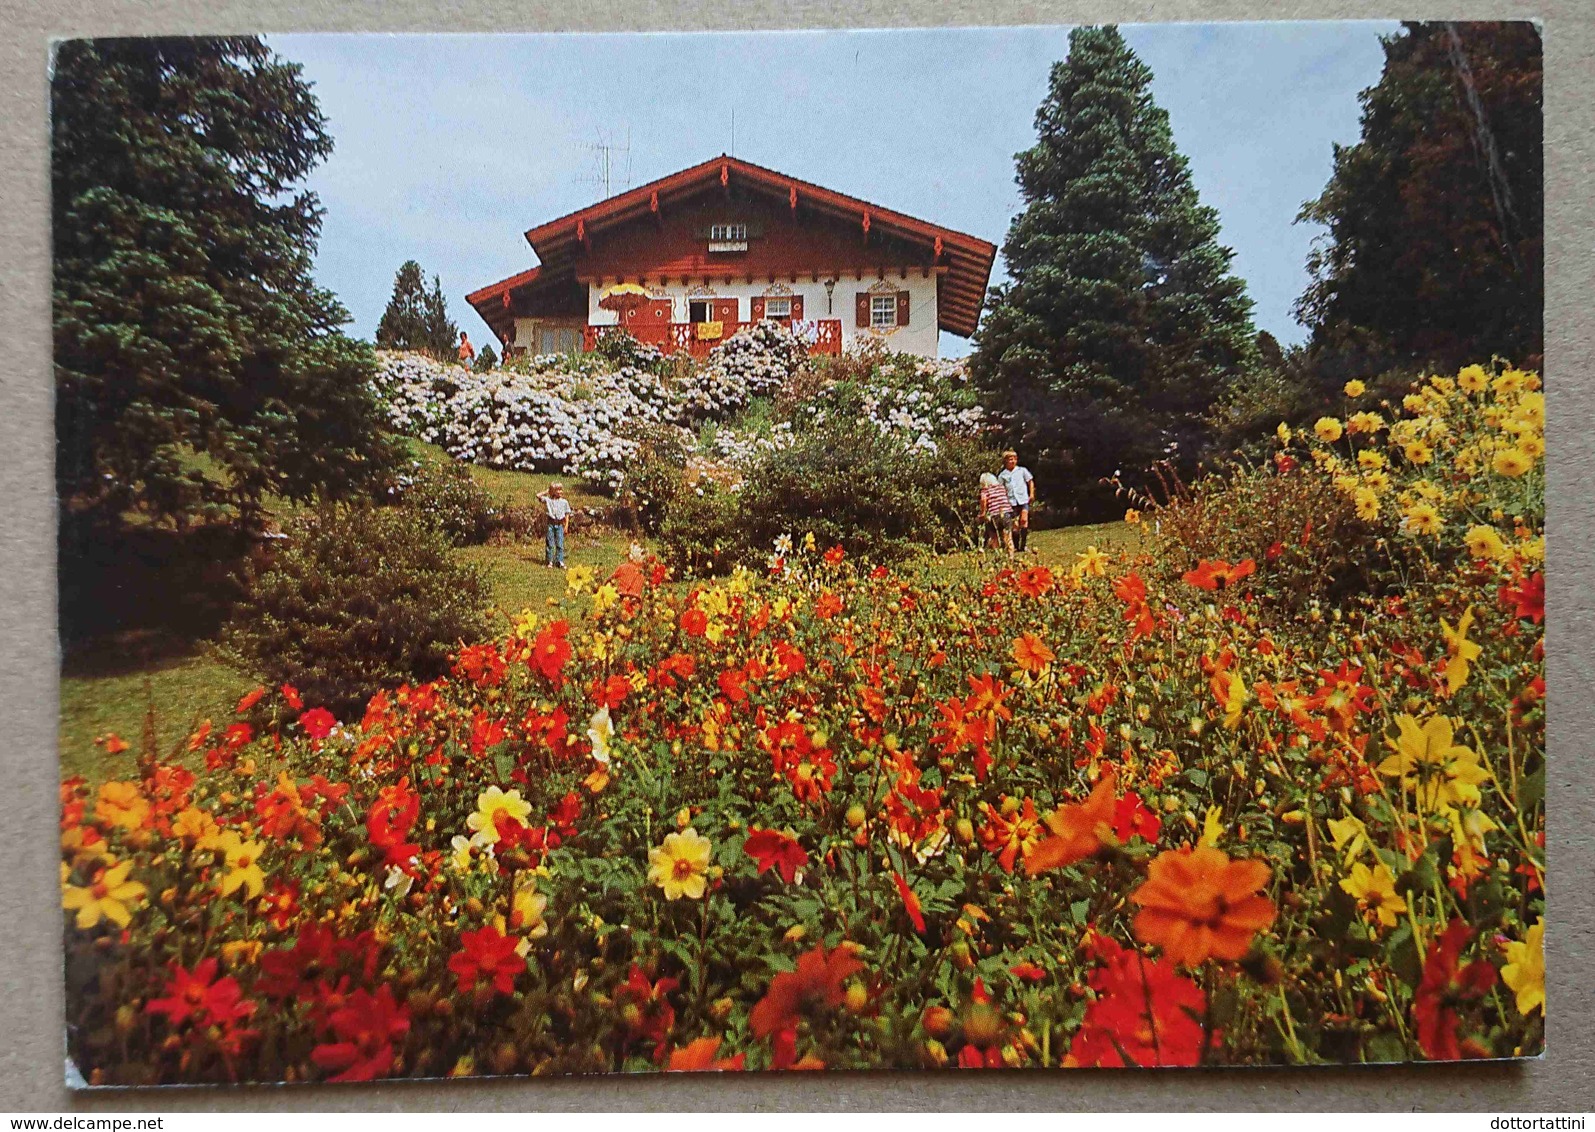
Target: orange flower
1031,653
1078,830
628,579
1131,590
1012,836
987,696
819,981
1216,574
1034,582
698,1057
910,902
1198,904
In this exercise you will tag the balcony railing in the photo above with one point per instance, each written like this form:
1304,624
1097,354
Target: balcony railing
824,336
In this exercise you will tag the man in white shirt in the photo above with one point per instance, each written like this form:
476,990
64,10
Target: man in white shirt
558,515
1021,487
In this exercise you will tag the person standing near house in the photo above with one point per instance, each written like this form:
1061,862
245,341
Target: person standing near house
996,513
558,515
1021,487
467,351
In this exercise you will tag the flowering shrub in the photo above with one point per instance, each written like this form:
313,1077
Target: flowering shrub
916,401
1127,811
757,361
546,414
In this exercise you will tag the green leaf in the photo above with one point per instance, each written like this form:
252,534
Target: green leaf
1404,958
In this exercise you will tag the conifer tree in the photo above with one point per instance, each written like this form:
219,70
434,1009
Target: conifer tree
186,321
442,335
417,318
1434,254
403,324
1120,322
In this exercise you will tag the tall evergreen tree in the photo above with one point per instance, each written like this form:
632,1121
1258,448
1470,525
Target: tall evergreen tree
403,324
1120,322
186,322
1435,245
442,336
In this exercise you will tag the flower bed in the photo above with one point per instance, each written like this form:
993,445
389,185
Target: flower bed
1139,810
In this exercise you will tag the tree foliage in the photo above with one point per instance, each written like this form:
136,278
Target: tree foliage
1434,252
197,365
403,324
1121,321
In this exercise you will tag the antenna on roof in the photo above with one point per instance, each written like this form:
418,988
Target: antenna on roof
606,168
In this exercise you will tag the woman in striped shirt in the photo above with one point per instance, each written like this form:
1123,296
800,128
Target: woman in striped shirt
996,510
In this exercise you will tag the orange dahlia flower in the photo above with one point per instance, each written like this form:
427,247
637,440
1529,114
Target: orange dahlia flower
1078,830
1198,904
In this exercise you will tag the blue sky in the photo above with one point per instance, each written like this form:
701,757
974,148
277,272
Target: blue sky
449,147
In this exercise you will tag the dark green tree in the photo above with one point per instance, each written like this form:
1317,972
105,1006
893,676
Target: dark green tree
1435,246
403,325
1120,322
486,360
197,365
442,336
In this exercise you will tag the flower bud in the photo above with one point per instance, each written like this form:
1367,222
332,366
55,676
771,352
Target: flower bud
937,1020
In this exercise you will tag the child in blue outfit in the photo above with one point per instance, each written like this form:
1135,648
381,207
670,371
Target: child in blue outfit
558,515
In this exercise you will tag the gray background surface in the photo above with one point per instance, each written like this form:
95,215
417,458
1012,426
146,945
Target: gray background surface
31,1054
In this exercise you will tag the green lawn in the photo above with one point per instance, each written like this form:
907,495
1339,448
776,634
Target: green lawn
1056,547
181,692
153,653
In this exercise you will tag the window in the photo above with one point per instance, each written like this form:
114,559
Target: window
882,311
700,310
719,232
558,340
778,308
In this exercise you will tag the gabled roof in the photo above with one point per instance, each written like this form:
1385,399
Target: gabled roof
962,286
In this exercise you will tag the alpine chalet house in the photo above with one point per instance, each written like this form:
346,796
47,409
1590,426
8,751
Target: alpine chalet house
684,262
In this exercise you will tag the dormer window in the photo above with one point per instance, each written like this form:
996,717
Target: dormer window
727,232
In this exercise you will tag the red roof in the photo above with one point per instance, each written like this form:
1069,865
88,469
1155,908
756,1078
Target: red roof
961,287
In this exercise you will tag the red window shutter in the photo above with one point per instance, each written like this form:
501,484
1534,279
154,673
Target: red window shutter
756,308
902,308
725,310
861,310
797,300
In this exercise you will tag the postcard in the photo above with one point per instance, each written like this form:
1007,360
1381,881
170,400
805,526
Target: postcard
716,552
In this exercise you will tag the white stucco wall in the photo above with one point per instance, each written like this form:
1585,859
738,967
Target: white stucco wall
918,337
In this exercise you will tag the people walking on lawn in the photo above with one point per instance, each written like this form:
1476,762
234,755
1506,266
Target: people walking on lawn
558,515
996,513
467,351
1021,486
